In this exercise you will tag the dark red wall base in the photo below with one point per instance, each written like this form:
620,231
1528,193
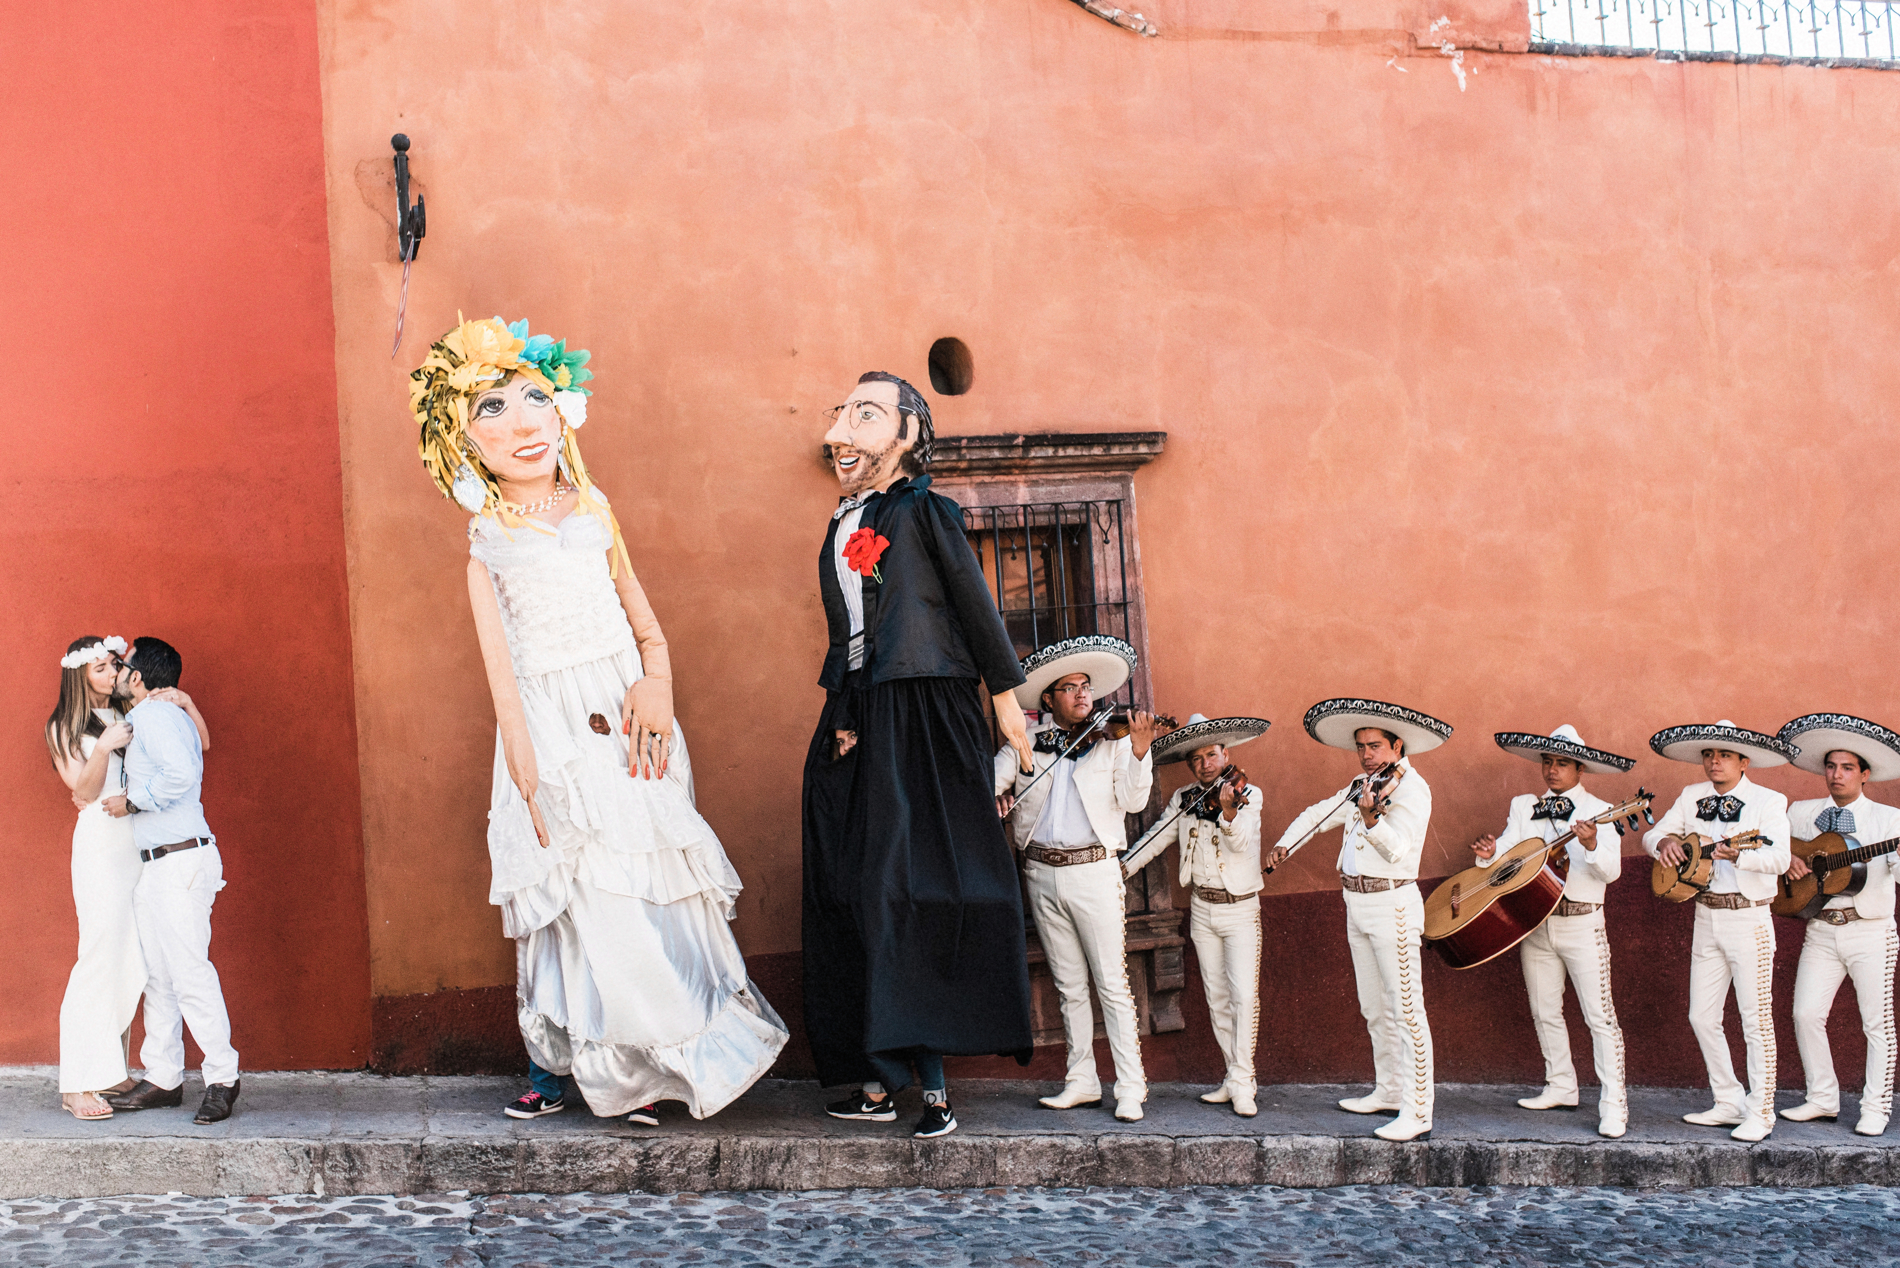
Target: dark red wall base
1310,1030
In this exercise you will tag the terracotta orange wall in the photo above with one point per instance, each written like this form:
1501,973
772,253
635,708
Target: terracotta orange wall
1559,394
173,469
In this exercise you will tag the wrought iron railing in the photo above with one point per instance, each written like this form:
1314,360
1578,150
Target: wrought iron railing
1057,569
1851,31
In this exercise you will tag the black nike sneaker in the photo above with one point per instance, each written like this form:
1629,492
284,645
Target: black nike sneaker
862,1108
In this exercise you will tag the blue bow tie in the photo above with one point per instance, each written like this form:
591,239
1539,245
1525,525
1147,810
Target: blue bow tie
1719,809
1835,819
1558,808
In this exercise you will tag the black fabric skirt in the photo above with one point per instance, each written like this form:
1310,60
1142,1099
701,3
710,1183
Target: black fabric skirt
913,918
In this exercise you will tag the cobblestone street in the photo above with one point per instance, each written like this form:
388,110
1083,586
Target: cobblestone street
1027,1227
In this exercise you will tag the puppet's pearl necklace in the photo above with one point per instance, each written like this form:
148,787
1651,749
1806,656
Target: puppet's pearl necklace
547,503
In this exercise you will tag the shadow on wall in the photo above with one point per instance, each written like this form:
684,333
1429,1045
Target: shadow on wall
1310,1026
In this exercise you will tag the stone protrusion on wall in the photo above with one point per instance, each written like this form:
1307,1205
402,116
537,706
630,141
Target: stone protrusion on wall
1120,17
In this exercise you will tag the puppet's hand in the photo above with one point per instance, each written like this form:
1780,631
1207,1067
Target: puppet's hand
518,752
647,719
1015,728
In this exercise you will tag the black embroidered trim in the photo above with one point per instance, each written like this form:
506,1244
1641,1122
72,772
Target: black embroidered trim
1714,736
1562,748
1719,809
1376,709
1187,738
1846,722
1558,808
1043,656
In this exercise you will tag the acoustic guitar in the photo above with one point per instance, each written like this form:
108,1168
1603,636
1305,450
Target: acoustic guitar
1839,867
1690,877
1482,912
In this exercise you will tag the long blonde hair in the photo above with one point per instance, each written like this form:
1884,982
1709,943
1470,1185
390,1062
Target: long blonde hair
73,717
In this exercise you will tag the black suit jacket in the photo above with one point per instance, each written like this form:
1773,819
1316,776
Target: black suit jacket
932,616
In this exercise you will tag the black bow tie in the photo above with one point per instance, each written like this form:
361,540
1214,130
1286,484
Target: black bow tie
1209,809
1719,809
1055,739
1559,808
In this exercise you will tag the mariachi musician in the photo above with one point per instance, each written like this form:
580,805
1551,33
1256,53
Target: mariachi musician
1066,821
1734,940
1219,838
1853,935
1384,814
1573,940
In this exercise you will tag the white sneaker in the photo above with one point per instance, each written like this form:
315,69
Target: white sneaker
1368,1105
1404,1127
1244,1104
1716,1116
1613,1126
1756,1128
1128,1109
1074,1096
1548,1100
1219,1096
1808,1112
1871,1125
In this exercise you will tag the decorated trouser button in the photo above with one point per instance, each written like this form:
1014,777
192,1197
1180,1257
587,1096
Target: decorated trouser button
599,724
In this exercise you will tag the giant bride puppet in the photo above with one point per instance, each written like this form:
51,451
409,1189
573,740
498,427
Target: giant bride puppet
616,892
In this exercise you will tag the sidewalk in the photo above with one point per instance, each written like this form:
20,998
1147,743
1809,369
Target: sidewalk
356,1133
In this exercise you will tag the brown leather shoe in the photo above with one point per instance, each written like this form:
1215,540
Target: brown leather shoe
146,1095
217,1102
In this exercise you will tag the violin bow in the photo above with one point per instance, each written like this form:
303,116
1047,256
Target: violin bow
1097,721
1354,791
1198,798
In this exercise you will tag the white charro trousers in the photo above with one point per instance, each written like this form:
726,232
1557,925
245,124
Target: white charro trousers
1079,912
173,906
1735,948
1227,942
1386,933
1864,951
1577,947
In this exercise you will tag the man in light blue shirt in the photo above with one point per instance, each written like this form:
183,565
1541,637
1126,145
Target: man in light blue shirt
164,773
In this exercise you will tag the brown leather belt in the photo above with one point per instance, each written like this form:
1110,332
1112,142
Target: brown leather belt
1208,895
1839,915
1053,857
1567,908
1369,884
1731,902
160,851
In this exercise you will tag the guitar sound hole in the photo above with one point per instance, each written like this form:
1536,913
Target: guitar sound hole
1504,874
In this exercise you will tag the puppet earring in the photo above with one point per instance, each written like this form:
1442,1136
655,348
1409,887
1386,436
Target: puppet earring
468,490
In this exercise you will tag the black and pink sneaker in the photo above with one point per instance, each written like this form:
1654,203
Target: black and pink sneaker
533,1105
646,1116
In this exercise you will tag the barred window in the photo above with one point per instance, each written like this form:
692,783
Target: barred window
1830,33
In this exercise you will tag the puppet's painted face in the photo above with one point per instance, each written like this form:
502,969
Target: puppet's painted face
516,430
865,449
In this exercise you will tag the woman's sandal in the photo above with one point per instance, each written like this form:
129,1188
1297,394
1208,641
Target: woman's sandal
85,1101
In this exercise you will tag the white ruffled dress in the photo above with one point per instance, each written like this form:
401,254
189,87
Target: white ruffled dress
628,976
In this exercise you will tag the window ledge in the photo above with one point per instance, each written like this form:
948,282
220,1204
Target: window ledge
1040,453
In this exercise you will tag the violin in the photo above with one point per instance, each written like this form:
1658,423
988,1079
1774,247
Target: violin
1381,784
1204,802
1121,721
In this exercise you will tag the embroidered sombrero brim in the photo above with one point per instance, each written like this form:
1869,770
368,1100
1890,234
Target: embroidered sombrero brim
1685,744
1816,735
1178,744
1533,747
1333,722
1107,661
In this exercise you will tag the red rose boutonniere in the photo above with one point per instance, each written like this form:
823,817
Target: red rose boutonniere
862,550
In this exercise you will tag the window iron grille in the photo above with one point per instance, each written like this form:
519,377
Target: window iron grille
1855,31
1056,569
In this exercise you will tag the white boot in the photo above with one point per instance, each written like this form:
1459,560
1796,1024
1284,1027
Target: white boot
1372,1104
1219,1096
1548,1100
1808,1112
1755,1128
1244,1103
1128,1109
1074,1096
1404,1127
1613,1124
1871,1124
1717,1116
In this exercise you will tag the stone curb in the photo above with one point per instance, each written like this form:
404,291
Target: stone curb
617,1164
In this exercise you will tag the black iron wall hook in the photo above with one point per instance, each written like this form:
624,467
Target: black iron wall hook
412,223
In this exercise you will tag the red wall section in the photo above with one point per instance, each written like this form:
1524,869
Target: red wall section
172,469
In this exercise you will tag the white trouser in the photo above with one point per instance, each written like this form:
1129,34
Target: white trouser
1735,948
1227,942
173,906
1863,951
1580,947
1385,931
1079,912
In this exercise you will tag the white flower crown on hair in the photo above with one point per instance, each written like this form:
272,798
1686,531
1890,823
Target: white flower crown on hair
114,646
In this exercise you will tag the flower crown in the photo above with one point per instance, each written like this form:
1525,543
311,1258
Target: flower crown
114,646
465,362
